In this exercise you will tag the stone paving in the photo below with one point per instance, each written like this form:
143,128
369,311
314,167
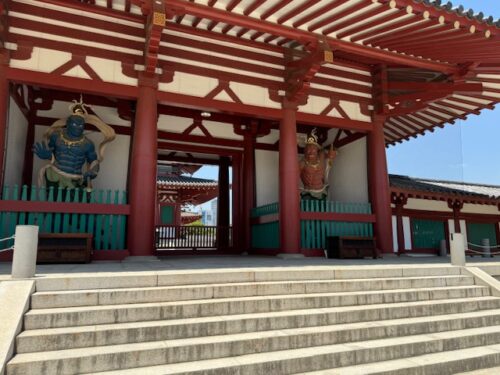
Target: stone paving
203,262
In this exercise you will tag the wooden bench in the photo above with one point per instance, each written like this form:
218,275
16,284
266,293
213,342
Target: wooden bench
64,248
345,247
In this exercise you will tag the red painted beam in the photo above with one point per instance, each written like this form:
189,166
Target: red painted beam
72,83
197,149
180,6
78,6
63,207
337,16
440,109
363,28
330,5
332,216
296,11
449,17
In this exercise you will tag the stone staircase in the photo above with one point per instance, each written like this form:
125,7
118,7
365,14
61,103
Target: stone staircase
275,321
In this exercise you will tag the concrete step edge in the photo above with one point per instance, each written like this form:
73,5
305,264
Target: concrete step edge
192,321
457,360
423,342
268,297
420,325
481,303
256,283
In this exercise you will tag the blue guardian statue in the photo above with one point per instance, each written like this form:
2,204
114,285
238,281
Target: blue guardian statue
74,161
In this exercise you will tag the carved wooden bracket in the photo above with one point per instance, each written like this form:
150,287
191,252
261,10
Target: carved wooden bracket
154,28
300,72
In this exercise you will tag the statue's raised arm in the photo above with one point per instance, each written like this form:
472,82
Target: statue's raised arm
74,161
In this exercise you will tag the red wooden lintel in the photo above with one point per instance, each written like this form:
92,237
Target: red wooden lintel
334,216
63,207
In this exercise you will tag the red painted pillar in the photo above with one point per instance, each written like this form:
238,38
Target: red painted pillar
379,187
142,177
249,181
4,111
223,203
237,203
400,229
289,201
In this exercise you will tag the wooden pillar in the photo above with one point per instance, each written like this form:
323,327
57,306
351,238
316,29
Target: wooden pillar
28,153
223,203
456,206
249,184
237,209
379,187
289,200
142,186
399,202
4,115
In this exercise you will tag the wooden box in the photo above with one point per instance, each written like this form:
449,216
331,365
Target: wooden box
64,248
351,247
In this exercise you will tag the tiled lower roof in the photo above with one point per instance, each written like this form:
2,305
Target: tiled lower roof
460,10
185,181
444,187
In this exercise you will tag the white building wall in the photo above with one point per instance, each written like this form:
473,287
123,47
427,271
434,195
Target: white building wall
17,129
266,177
113,171
348,177
480,209
407,232
427,205
395,234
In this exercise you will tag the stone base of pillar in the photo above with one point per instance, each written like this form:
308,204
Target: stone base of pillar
139,259
290,256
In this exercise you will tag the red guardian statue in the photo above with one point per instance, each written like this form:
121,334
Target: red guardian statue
314,168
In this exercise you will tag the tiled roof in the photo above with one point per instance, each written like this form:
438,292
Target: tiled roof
445,187
185,181
460,10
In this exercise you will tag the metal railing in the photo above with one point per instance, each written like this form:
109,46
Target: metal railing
192,237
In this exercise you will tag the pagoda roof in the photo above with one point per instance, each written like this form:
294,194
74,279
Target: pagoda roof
438,189
185,182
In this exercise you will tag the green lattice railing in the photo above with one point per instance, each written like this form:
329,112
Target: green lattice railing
266,235
108,230
313,232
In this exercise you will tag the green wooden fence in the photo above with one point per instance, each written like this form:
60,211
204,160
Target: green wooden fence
108,230
313,233
265,235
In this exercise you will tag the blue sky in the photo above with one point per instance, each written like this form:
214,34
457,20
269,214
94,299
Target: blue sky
467,151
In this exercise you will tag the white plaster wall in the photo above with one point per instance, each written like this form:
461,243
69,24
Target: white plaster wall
463,229
267,177
16,141
349,175
407,232
395,234
428,205
480,209
113,171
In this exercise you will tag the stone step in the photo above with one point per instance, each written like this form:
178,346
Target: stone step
174,357
126,333
53,299
475,361
92,315
483,371
242,275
